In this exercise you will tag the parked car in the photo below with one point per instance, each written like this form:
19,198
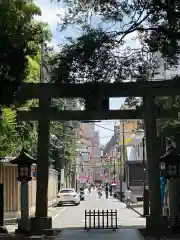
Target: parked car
68,196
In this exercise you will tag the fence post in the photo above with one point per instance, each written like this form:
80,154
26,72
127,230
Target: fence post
103,218
94,219
89,219
107,213
85,219
116,218
99,218
112,218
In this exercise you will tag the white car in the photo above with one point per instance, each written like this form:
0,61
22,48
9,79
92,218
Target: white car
67,196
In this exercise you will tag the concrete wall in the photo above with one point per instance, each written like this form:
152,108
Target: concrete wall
8,176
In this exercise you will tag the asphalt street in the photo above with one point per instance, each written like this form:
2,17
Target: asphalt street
71,220
74,216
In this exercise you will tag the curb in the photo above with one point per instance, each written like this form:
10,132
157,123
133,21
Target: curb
141,215
13,221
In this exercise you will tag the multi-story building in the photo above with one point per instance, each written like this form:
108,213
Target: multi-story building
127,127
85,135
164,72
96,158
111,157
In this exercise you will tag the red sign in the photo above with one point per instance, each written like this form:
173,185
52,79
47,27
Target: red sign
83,178
117,182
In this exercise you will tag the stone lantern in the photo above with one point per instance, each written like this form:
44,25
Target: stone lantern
170,167
24,162
170,163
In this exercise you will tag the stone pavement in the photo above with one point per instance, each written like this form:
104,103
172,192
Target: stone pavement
119,234
52,212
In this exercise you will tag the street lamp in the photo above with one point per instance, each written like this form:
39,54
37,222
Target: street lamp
24,162
170,163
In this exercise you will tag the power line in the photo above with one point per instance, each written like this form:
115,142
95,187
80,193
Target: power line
112,130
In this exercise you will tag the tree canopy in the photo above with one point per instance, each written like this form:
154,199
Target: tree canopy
103,52
157,22
20,35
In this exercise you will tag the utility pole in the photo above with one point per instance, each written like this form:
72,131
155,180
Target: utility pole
122,162
42,60
145,188
114,170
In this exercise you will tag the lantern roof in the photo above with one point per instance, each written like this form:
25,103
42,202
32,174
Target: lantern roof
23,159
171,157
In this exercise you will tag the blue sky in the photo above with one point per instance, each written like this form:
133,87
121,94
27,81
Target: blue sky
49,12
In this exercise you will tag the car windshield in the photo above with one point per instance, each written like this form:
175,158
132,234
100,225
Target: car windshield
67,191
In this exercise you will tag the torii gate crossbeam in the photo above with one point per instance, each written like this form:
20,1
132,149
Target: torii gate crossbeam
127,89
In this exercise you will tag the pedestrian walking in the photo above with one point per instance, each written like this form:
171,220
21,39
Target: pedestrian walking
110,189
106,190
128,197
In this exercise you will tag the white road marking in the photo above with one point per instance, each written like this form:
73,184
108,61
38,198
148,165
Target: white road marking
58,214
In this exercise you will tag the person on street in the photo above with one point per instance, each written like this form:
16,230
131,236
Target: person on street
128,197
99,191
89,189
110,189
106,190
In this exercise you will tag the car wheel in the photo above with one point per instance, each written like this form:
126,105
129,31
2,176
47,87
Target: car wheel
77,203
59,204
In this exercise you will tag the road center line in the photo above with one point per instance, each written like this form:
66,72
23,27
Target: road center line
58,214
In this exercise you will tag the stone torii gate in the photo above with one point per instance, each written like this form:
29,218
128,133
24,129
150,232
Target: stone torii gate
96,93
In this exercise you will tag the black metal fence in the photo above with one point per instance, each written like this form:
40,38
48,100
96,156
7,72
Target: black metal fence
101,219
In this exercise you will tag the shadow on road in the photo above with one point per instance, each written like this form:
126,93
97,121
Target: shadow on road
65,205
123,232
101,229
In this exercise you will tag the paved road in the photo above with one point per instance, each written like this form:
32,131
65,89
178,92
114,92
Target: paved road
71,220
73,216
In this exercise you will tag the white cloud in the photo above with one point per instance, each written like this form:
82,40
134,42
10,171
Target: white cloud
50,12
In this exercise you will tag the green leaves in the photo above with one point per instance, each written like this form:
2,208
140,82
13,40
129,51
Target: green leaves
157,23
20,36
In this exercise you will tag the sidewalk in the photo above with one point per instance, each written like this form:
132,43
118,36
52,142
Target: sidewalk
52,212
13,220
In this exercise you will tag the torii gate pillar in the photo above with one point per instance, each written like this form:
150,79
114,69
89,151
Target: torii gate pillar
156,221
41,221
